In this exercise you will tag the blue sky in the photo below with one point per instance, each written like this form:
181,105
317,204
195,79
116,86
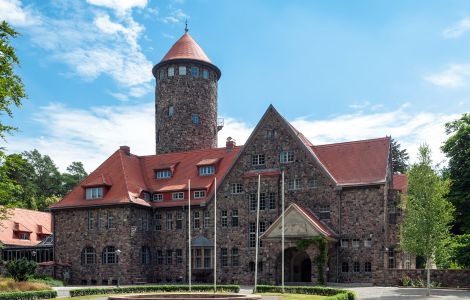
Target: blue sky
338,70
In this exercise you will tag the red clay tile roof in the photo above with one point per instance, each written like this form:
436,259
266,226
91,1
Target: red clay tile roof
355,163
25,220
186,48
400,182
131,175
322,227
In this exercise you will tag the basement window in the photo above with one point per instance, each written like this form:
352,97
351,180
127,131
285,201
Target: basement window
94,193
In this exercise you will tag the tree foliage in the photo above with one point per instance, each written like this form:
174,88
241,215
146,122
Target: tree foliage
428,214
21,269
400,158
11,87
457,149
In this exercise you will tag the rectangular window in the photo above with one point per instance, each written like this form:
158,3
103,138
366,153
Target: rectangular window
234,217
367,267
223,218
195,119
94,193
312,183
262,201
345,267
262,228
179,220
196,220
205,74
159,257
179,256
169,257
199,194
392,215
177,196
235,259
158,222
146,196
182,70
224,257
91,220
356,267
258,159
286,157
293,184
171,111
195,71
368,243
236,188
270,134
207,219
325,212
145,221
391,258
24,236
109,219
252,235
207,258
272,200
197,258
162,74
355,243
206,170
253,202
344,243
171,71
169,221
407,261
162,174
157,197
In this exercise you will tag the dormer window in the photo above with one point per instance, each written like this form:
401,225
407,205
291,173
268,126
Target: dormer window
146,196
162,174
178,196
157,197
24,236
94,193
199,194
206,170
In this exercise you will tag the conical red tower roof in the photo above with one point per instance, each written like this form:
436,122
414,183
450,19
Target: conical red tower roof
186,48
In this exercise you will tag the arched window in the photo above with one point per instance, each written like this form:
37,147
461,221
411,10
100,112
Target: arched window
109,255
88,256
145,255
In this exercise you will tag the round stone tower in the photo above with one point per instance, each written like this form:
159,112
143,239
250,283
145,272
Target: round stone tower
186,99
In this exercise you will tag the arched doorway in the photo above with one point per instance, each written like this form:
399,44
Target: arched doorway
297,266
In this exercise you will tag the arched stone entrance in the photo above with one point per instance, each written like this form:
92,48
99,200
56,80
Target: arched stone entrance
297,266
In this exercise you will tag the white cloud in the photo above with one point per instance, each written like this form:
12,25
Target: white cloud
13,12
92,135
454,76
457,30
176,16
120,6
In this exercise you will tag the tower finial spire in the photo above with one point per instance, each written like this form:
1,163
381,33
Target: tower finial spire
186,27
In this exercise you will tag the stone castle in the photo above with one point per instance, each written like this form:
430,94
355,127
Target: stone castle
128,220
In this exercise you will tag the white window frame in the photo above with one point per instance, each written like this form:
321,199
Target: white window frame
206,170
163,174
256,160
171,71
177,196
355,243
182,70
157,197
286,157
294,184
94,193
171,111
199,194
368,243
325,209
344,243
236,188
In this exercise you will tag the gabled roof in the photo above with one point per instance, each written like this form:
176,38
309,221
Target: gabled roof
25,220
186,48
400,182
300,222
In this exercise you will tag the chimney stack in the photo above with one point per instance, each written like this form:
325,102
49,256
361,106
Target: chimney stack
125,149
230,144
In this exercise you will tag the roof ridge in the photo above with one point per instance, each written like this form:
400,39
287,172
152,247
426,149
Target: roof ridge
351,142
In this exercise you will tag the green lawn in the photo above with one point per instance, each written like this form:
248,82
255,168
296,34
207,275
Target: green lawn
293,296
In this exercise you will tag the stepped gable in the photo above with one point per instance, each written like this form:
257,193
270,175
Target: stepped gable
126,176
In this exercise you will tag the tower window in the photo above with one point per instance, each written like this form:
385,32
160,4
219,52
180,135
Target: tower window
205,74
182,70
171,72
195,119
171,111
206,170
162,73
195,71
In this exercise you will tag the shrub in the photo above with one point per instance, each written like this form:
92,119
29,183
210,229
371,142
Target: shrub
31,295
406,281
21,269
333,293
154,288
46,280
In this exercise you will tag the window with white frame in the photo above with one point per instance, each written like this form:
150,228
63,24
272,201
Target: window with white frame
355,243
344,243
171,111
356,267
145,255
235,260
179,220
253,202
169,256
24,236
406,261
234,217
177,196
325,212
272,200
224,217
171,71
206,170
157,197
368,243
258,159
294,184
109,256
262,201
88,256
162,73
252,235
169,221
159,254
224,257
313,183
199,194
158,222
179,256
91,220
286,157
162,174
94,193
182,70
196,220
236,188
207,219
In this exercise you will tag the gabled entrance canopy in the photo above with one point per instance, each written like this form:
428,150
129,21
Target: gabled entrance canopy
300,223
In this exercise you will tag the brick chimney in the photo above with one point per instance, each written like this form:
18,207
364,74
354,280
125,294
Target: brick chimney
230,144
125,149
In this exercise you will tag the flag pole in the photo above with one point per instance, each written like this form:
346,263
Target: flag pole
215,234
257,234
282,230
189,233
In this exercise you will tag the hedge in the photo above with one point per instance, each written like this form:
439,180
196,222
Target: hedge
154,288
335,294
31,295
